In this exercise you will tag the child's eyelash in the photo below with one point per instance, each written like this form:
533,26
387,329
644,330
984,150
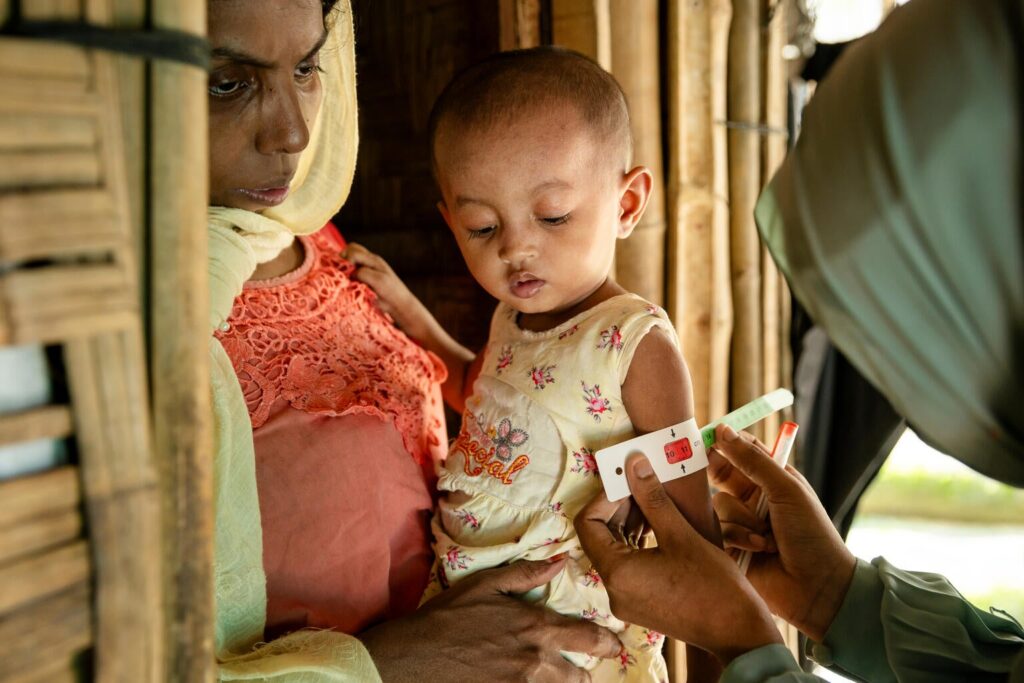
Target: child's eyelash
558,220
481,232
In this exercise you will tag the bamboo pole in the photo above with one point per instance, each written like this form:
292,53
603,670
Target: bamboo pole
519,24
640,260
691,294
179,338
720,336
775,118
584,26
745,103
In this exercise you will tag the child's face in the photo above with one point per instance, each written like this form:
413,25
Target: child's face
536,208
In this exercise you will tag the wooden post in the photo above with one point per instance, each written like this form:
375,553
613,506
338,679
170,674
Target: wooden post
519,23
745,103
720,338
180,345
691,293
584,26
775,138
636,62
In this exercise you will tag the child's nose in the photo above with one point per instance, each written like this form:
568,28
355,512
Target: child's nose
517,247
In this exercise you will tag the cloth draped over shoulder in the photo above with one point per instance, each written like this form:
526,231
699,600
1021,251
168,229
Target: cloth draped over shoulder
238,241
897,220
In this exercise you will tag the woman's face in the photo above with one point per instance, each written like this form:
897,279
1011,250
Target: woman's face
264,90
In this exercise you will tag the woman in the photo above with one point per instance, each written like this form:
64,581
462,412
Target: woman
327,418
898,224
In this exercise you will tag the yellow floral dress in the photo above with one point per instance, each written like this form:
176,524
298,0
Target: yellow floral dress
523,464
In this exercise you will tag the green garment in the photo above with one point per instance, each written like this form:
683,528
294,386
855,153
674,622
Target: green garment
901,626
896,220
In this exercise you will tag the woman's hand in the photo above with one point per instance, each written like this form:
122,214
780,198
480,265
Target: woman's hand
686,587
393,297
479,631
800,565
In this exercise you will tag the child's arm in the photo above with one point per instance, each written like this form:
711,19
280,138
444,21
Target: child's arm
658,393
415,320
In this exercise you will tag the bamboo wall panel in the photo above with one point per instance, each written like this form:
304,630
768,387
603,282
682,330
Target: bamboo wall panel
745,103
183,433
40,639
47,573
407,51
584,26
64,207
640,260
49,422
691,294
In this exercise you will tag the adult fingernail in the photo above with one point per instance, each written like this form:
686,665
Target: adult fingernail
728,433
643,468
557,558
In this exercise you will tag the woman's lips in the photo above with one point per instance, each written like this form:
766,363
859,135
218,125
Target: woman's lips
525,285
268,196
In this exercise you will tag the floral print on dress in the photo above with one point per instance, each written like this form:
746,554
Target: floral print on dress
456,558
504,359
505,438
626,660
597,405
652,639
611,339
468,518
541,376
592,614
556,507
585,462
591,578
569,332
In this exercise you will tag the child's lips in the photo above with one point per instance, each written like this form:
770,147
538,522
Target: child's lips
525,285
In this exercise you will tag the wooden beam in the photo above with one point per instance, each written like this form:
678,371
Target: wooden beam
44,574
179,342
50,422
41,638
37,495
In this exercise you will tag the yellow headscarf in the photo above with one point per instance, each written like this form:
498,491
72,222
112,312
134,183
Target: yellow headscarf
240,240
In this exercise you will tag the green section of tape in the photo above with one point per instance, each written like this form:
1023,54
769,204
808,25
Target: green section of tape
748,414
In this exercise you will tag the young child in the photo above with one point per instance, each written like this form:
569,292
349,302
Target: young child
532,153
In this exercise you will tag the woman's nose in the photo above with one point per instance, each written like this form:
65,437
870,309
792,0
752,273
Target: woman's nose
284,129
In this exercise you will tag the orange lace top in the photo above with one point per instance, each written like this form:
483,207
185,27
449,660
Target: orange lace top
315,338
347,425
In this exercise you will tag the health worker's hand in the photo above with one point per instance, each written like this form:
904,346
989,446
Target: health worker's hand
800,565
478,630
685,588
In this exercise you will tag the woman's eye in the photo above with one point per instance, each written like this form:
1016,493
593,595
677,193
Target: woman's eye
227,88
306,71
481,232
556,220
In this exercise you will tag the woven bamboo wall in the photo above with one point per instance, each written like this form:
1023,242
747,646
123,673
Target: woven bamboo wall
69,280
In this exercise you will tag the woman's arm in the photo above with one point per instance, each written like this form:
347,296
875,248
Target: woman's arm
409,313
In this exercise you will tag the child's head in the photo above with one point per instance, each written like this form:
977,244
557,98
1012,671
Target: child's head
532,150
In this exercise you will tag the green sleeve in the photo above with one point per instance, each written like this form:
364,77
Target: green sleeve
768,664
911,626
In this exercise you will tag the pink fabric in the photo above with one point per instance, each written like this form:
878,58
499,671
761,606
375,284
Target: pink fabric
347,423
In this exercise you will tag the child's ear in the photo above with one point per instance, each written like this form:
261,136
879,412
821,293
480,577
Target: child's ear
635,192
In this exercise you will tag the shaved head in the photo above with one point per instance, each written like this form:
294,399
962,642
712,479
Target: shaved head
510,86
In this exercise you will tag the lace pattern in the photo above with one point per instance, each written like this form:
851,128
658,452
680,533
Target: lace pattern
317,340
